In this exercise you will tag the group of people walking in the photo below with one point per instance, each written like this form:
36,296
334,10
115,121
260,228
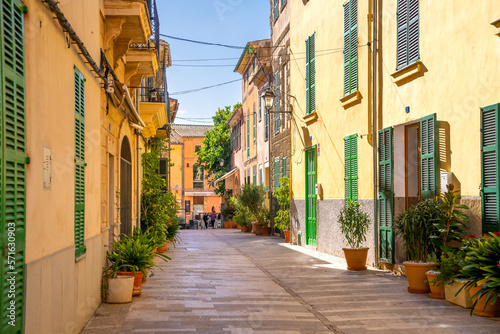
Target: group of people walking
211,220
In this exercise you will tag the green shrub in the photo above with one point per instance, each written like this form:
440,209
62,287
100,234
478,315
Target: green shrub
354,224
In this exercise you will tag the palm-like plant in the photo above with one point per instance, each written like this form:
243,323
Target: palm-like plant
354,224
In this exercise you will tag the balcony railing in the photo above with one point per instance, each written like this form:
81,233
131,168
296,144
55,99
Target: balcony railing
154,43
152,95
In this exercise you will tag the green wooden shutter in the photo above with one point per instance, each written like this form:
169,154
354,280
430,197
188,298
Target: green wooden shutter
12,164
79,163
248,137
351,168
386,195
277,173
284,166
490,147
312,73
260,107
310,171
350,47
408,32
276,102
428,157
308,70
254,126
413,31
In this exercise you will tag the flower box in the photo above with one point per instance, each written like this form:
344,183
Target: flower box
462,299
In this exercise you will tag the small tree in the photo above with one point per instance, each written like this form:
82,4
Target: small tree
354,224
282,194
253,196
243,216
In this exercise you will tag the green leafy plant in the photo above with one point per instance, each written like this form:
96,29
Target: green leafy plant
450,263
282,194
253,197
415,227
450,226
243,216
354,224
481,267
228,210
216,146
264,217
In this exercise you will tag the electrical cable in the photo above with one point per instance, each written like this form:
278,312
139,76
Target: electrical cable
190,65
203,88
204,43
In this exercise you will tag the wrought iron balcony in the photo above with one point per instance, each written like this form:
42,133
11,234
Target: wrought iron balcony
154,42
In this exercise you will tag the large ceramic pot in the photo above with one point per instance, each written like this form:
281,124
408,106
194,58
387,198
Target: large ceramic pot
287,236
487,310
120,290
246,228
437,291
452,294
233,224
227,224
257,229
266,231
415,273
355,258
137,281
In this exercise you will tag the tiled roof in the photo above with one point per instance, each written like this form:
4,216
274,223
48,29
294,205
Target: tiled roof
185,130
175,138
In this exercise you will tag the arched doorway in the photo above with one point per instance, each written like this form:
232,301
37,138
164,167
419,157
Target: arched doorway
125,188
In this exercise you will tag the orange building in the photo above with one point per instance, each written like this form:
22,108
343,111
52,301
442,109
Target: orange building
188,182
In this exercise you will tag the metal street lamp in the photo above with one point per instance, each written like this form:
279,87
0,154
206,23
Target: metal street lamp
269,98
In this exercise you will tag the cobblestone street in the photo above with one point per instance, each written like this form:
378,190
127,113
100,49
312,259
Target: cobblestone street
225,281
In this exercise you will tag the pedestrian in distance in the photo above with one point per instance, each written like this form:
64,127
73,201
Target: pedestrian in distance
204,221
212,219
219,220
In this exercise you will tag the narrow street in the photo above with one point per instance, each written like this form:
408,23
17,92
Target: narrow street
225,281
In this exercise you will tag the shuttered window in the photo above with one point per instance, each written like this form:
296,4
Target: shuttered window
350,47
12,165
79,163
351,168
408,32
254,126
277,173
260,108
276,11
386,194
311,74
276,101
490,147
428,156
284,166
248,137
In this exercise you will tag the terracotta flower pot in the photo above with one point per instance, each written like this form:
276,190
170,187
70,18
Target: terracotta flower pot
120,290
437,291
233,224
487,310
415,273
137,281
266,231
257,229
246,228
163,248
355,258
227,224
287,236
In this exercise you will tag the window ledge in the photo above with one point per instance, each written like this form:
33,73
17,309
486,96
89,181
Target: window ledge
496,24
408,73
310,118
351,99
81,257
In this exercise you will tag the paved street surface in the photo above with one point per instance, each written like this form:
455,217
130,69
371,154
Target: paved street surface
226,281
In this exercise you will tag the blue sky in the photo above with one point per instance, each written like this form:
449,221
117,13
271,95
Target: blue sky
231,22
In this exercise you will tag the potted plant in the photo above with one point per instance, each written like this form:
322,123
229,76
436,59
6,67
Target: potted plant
135,257
264,219
354,224
243,217
451,279
415,227
481,268
228,211
449,229
253,197
282,218
116,289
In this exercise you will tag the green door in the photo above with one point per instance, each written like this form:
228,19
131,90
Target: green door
311,196
12,166
386,195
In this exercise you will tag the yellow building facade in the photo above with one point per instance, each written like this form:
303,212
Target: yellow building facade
74,149
430,94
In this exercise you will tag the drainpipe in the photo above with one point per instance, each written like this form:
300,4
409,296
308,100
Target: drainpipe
137,134
374,131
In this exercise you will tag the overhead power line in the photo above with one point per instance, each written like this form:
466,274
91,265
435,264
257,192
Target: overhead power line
212,65
204,43
203,88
